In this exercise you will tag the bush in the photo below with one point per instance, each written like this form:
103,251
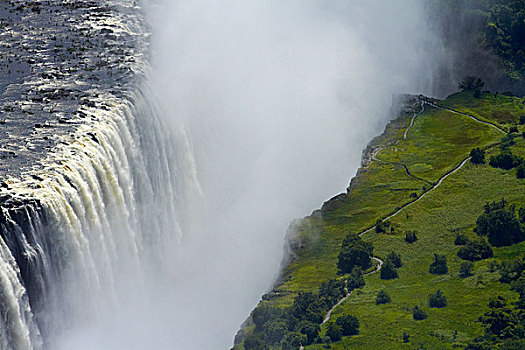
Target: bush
334,331
437,299
395,259
330,292
388,271
349,325
477,156
355,280
499,224
354,252
513,128
310,330
520,171
505,160
406,337
477,249
410,237
382,298
460,239
465,270
254,342
293,340
439,265
418,313
382,226
522,119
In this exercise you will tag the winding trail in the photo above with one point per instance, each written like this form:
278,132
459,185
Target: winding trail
432,188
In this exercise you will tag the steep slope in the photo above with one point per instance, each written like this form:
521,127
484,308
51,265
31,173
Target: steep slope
419,176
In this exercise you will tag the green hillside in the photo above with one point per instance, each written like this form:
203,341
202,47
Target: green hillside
420,171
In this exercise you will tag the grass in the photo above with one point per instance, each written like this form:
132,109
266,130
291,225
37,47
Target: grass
437,142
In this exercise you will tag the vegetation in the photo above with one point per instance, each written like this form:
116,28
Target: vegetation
477,249
388,271
499,224
410,237
439,265
418,313
349,325
382,297
477,156
437,299
395,259
354,252
437,143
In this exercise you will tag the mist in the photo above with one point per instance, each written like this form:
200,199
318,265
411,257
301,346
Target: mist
277,99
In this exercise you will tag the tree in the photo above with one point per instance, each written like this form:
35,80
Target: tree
349,325
310,329
263,313
388,271
354,252
437,299
477,156
439,265
395,259
505,160
355,280
293,340
499,321
465,270
382,298
418,313
406,337
499,224
254,342
330,292
306,306
275,332
520,171
471,84
460,239
477,249
334,331
410,237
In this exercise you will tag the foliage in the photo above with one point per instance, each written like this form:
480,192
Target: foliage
330,292
410,237
382,297
471,84
354,252
499,224
460,239
254,342
275,332
355,280
418,313
477,156
465,269
334,331
307,306
477,249
500,321
439,265
520,171
505,160
437,299
388,271
406,337
293,340
395,259
382,226
310,329
349,325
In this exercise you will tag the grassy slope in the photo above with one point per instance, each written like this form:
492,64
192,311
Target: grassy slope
437,142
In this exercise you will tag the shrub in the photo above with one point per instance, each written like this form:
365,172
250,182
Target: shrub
513,128
310,330
418,313
505,160
437,299
254,342
382,226
465,270
330,292
334,331
410,237
355,280
460,239
388,271
395,259
477,156
439,265
406,337
349,325
499,224
477,249
382,297
520,171
354,252
293,340
522,119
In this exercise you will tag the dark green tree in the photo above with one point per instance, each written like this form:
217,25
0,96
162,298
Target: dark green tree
254,342
439,265
388,271
471,84
307,306
520,171
275,331
349,325
410,237
293,340
499,224
477,156
460,239
334,331
310,329
354,252
355,280
437,299
418,313
465,270
395,259
382,297
477,249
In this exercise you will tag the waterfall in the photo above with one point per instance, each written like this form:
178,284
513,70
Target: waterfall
105,204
